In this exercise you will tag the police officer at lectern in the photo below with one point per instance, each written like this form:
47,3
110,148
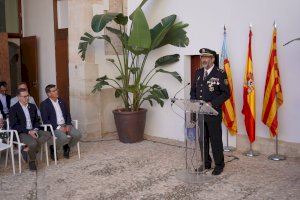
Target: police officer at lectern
211,85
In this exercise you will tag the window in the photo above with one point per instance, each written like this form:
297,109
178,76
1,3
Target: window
10,17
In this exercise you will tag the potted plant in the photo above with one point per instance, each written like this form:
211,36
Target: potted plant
133,84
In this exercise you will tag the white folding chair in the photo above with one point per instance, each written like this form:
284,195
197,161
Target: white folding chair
7,146
45,127
49,127
75,124
20,145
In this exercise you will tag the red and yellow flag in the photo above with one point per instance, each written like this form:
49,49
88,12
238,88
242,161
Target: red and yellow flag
228,108
249,95
273,97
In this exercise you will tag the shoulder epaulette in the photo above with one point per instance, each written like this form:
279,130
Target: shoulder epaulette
221,70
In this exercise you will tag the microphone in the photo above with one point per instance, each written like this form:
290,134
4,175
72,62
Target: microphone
173,99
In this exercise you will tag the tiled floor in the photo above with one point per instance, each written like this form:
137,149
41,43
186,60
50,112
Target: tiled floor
146,170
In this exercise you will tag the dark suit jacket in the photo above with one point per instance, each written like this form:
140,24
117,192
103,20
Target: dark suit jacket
17,118
8,97
213,89
49,115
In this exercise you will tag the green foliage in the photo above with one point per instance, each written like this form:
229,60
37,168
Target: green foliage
131,85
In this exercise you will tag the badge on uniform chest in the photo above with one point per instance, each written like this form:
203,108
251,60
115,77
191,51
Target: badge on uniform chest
211,83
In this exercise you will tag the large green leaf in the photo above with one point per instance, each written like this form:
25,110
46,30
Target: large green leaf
102,81
166,60
151,97
132,89
119,78
122,36
85,40
114,30
174,74
157,94
140,37
106,38
160,30
121,19
111,60
140,6
118,93
100,21
102,78
162,94
176,36
158,91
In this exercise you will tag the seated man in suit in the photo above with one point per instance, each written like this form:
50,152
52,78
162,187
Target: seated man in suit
15,100
23,118
55,112
4,99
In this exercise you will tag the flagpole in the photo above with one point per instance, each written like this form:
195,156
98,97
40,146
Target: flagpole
276,156
228,148
251,152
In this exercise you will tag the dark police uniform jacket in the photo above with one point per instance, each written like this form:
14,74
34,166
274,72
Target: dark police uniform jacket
213,89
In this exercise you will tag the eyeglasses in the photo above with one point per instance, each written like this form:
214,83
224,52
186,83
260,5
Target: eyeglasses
27,96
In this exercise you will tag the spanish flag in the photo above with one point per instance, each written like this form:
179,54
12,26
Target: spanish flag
273,97
228,108
249,95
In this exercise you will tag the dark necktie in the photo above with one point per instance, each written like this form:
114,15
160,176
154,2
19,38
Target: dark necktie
205,74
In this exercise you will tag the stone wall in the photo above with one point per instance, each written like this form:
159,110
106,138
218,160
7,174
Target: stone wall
92,110
82,74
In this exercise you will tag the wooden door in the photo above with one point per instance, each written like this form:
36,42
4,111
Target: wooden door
62,64
29,65
195,64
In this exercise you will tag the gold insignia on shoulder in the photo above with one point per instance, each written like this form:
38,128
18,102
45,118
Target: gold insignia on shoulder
226,81
221,70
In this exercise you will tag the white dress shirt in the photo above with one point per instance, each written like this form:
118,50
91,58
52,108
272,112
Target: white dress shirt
4,103
59,116
209,70
27,115
15,100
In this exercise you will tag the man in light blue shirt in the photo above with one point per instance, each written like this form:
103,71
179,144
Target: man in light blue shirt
23,118
15,100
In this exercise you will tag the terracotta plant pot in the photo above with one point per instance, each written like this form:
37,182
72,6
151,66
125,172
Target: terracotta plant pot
130,125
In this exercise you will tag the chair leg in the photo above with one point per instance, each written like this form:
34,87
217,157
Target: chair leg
47,157
13,159
54,147
20,161
41,151
6,158
78,149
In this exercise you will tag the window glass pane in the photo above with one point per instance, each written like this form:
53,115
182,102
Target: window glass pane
11,16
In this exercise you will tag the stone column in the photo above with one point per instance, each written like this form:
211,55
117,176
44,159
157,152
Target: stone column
84,105
94,111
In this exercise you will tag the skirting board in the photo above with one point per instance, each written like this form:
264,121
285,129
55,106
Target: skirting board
264,145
